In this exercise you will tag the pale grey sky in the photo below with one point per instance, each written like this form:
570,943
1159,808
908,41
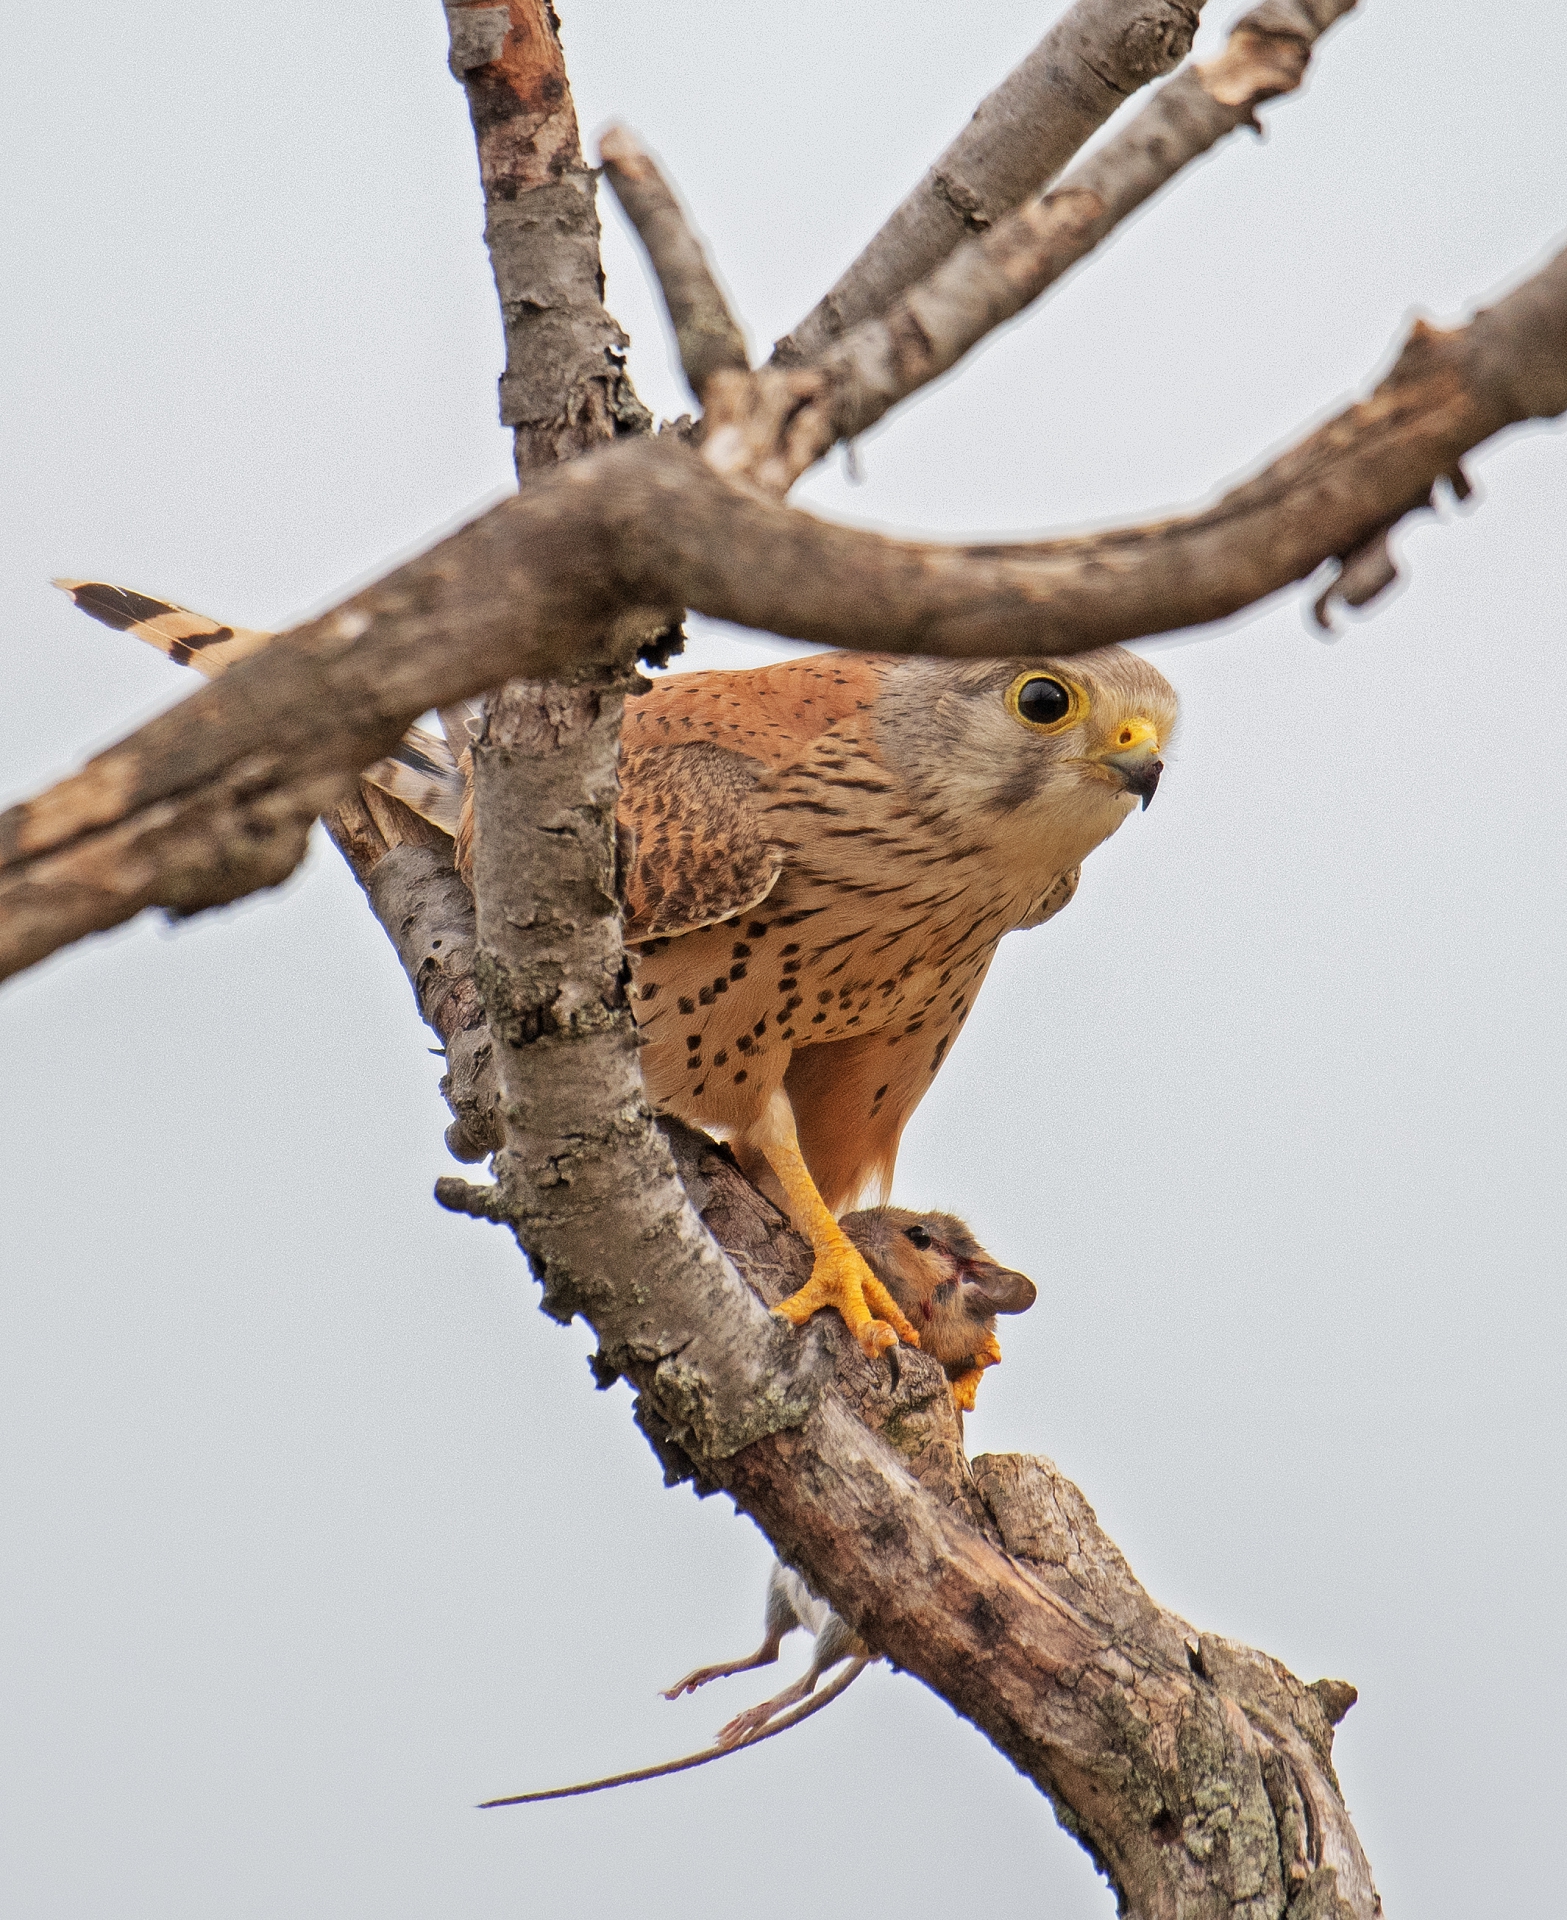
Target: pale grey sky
316,1533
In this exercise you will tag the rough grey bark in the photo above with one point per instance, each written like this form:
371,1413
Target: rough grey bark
982,283
1093,59
565,386
585,1178
215,798
1198,1772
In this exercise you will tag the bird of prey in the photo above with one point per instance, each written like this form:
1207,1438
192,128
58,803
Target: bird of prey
826,854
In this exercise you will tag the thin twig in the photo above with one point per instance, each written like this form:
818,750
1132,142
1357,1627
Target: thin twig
705,331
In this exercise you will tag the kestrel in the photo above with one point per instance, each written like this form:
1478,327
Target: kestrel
826,854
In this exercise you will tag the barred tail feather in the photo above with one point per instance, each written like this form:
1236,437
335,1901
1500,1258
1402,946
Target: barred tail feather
421,770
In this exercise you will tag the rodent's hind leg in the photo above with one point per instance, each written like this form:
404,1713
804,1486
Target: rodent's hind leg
781,1619
755,1718
764,1656
836,1642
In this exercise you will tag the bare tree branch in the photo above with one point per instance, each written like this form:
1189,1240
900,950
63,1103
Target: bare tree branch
1095,57
774,424
565,386
1197,1772
215,798
705,331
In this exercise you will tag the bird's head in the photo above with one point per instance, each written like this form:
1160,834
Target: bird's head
1052,754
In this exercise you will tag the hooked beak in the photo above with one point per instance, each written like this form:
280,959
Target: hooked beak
998,1288
1132,758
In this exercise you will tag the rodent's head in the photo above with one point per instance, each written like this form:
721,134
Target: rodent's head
941,1276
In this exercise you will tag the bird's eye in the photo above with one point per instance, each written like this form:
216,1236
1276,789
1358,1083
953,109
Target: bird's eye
1041,700
917,1237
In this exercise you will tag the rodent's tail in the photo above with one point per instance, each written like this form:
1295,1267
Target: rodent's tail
784,1721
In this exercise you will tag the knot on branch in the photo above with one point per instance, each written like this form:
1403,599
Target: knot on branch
1150,45
1336,1697
1258,63
464,1196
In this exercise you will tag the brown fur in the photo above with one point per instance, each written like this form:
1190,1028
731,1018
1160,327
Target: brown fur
950,1287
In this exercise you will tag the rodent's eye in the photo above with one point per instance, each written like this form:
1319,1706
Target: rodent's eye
917,1237
1041,700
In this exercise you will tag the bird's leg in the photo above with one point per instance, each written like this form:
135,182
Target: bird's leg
840,1278
966,1385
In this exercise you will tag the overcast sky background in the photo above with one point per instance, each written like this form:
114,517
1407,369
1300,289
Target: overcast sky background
316,1533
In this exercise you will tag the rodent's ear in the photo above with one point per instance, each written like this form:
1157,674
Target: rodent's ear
999,1288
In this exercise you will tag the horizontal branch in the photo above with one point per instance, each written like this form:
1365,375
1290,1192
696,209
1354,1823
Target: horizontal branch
774,424
1092,60
215,798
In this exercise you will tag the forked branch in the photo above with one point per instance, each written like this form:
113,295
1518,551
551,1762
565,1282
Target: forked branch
772,425
215,798
1199,1773
1095,57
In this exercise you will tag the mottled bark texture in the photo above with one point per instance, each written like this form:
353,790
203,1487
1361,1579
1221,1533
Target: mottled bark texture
1095,57
1196,1771
585,1178
215,798
772,425
565,387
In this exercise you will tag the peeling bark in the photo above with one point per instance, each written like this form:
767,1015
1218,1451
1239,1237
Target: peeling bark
1196,1771
565,387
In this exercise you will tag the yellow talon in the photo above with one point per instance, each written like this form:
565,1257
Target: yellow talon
840,1278
965,1387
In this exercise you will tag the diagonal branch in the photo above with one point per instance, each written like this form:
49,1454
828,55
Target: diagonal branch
705,331
1197,1772
215,798
772,425
1093,59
